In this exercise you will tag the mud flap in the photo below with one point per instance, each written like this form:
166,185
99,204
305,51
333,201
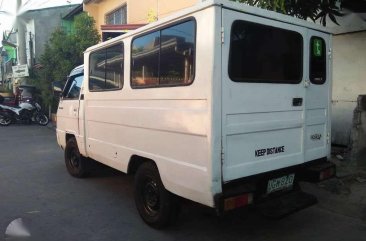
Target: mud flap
279,207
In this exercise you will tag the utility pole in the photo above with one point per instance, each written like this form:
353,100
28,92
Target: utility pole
22,56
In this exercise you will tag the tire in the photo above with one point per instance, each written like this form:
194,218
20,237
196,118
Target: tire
4,120
156,206
76,164
42,119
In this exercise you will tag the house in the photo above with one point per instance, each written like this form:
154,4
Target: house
349,74
115,17
8,58
40,24
67,21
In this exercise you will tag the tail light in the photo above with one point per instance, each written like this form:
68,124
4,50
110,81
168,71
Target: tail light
238,201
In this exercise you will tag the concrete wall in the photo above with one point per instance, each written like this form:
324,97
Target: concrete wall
45,22
358,153
137,10
99,10
349,81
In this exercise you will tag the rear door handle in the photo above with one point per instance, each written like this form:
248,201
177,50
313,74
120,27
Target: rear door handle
60,108
297,102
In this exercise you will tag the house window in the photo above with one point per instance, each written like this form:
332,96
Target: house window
118,16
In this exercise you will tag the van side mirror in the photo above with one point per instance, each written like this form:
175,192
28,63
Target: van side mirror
57,87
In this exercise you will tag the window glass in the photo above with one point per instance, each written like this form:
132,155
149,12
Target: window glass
114,67
118,16
165,57
145,60
73,86
96,70
318,67
106,68
260,53
176,54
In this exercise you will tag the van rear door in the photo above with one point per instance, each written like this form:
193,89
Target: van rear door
262,95
317,113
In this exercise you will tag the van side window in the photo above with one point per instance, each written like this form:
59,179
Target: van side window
73,86
318,61
265,54
106,68
165,57
145,60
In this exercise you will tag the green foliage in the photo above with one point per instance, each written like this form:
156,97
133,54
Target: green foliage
62,53
304,9
5,89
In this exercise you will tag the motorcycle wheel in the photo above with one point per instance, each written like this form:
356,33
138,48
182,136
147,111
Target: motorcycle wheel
4,121
42,119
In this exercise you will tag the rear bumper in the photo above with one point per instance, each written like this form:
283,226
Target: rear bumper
255,188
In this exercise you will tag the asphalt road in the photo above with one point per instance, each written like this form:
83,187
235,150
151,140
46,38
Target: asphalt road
35,186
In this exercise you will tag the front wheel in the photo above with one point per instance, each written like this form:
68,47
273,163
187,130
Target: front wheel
41,119
76,164
157,206
4,120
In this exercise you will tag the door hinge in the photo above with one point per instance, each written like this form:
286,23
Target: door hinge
330,53
222,35
328,137
306,83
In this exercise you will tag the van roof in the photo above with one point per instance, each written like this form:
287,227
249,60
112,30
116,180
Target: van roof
77,70
203,4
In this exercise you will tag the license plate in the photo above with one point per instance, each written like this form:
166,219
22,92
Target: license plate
280,183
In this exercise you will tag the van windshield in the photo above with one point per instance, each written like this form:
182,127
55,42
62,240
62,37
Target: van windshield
73,86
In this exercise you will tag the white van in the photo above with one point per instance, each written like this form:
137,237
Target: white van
223,104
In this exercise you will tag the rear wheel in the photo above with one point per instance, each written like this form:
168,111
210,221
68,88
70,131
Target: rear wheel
76,164
4,120
41,119
157,206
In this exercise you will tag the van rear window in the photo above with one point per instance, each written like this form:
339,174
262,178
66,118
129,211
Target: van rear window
265,54
318,67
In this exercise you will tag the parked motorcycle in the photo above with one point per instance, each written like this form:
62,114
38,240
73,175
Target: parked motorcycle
26,112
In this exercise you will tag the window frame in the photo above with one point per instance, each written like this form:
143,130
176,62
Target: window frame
159,29
113,11
324,56
267,81
105,54
68,86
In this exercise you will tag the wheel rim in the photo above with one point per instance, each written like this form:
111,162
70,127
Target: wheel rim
4,120
150,196
74,159
42,119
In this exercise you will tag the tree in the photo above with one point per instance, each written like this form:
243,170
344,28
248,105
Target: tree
62,53
304,9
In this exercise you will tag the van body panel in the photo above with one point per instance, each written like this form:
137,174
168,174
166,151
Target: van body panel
171,125
262,129
317,107
214,131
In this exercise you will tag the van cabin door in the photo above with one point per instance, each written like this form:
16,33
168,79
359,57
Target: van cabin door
317,128
262,95
68,109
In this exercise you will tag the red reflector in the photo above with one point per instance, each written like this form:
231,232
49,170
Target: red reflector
238,201
327,173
